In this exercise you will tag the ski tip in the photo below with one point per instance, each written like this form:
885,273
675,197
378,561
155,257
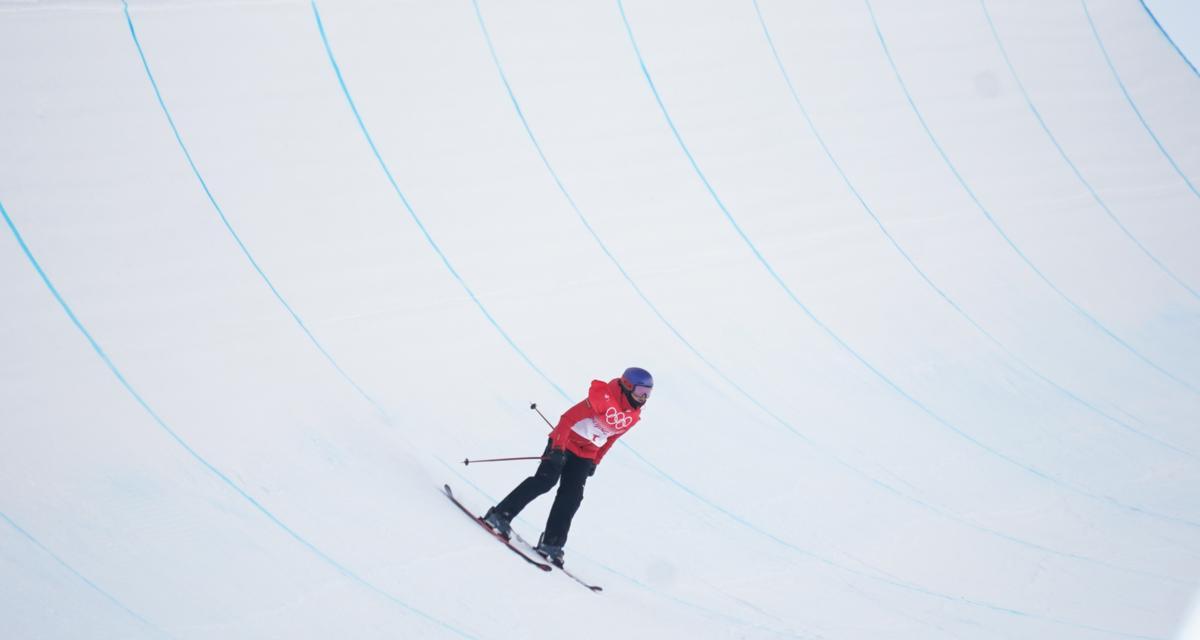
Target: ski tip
447,490
596,589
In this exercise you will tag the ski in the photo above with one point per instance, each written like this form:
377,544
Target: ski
593,587
479,521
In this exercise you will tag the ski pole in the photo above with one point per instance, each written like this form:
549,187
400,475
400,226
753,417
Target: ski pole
539,412
531,406
467,461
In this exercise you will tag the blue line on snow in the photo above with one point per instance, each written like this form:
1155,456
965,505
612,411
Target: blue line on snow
194,454
741,390
228,226
1132,104
843,344
95,587
928,280
854,470
736,518
1166,35
1070,163
996,225
446,262
413,214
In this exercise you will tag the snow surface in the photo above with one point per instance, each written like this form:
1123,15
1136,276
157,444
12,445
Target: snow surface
918,282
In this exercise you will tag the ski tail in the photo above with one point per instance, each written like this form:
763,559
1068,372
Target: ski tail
495,534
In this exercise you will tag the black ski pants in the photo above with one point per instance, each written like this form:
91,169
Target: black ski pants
566,469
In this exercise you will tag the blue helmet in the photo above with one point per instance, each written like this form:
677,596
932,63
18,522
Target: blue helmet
637,384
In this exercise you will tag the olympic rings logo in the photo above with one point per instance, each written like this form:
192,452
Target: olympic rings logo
617,418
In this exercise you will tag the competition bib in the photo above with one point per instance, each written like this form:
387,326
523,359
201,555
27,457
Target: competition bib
590,431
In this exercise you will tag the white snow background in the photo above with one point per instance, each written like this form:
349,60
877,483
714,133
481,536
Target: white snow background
918,281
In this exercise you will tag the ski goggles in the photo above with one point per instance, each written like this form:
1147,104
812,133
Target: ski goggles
641,392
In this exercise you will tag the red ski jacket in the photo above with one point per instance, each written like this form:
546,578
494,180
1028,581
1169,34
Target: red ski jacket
590,428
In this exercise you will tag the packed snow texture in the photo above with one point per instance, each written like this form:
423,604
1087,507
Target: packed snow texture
918,282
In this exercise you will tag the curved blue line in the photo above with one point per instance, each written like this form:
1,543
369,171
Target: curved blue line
996,225
413,214
754,249
95,587
1129,98
843,344
720,373
446,262
258,506
929,281
1168,37
741,390
1075,169
228,226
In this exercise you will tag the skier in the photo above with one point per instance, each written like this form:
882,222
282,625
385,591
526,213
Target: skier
576,445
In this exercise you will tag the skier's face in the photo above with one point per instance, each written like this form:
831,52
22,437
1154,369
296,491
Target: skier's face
638,394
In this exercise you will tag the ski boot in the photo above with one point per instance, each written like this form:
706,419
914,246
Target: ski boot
552,552
498,522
